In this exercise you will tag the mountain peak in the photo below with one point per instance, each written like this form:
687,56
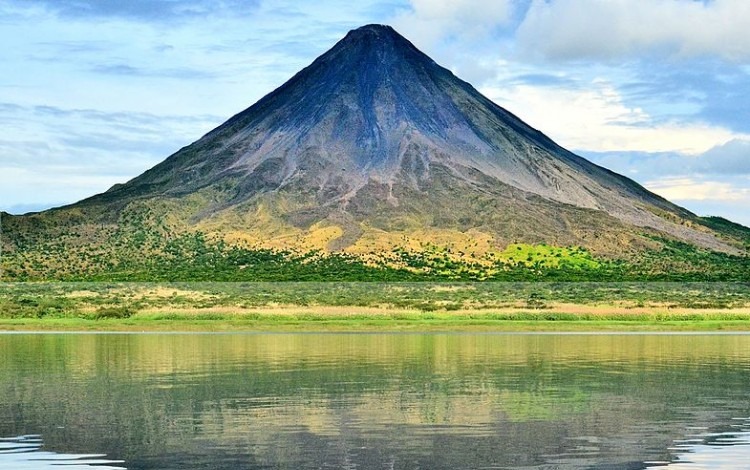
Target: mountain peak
376,43
375,35
373,29
374,133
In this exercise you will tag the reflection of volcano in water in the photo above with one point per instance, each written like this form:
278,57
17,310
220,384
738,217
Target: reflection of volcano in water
402,401
25,453
727,449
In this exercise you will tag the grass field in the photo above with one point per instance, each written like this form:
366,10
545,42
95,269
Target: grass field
312,321
375,306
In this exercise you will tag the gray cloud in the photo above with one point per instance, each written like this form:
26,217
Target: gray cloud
8,107
729,106
640,166
66,48
98,57
144,10
147,119
117,69
730,159
598,30
174,72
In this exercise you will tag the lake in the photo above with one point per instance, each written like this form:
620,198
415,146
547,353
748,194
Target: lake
374,401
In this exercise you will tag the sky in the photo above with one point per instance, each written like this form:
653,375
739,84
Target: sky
94,92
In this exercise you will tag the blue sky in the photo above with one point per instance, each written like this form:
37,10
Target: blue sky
94,92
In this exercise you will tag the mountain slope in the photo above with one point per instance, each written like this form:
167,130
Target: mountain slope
373,147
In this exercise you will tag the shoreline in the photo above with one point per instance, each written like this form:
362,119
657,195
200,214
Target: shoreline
375,307
358,319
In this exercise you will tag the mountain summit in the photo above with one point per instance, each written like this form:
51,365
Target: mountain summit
374,109
375,135
374,146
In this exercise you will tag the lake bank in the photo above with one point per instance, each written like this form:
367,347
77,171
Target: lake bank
352,319
303,306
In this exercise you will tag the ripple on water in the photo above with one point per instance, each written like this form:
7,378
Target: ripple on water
25,453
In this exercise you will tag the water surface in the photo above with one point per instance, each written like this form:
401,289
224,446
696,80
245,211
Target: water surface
374,401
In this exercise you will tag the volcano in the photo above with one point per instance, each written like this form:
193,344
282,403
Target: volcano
375,146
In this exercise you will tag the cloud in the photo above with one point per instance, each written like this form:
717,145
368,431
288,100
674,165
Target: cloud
429,21
467,36
594,116
730,159
642,166
148,10
707,89
715,182
596,29
124,120
90,142
690,189
729,199
51,156
728,102
175,72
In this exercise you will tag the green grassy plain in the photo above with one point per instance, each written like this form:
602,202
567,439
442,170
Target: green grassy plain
390,322
360,306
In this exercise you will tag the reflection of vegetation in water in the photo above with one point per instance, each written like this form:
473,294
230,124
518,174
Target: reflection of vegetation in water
158,393
549,405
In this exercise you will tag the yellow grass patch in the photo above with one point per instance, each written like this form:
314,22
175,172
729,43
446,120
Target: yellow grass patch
281,310
319,236
81,294
164,292
347,311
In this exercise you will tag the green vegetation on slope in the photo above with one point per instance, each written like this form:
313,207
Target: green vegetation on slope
192,257
144,247
724,226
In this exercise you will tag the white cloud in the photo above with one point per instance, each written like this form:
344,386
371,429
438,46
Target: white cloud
429,21
572,29
692,189
729,199
596,118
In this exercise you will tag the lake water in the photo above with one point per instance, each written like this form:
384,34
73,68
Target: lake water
374,401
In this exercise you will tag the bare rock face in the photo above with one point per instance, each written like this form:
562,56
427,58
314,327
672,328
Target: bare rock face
374,135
